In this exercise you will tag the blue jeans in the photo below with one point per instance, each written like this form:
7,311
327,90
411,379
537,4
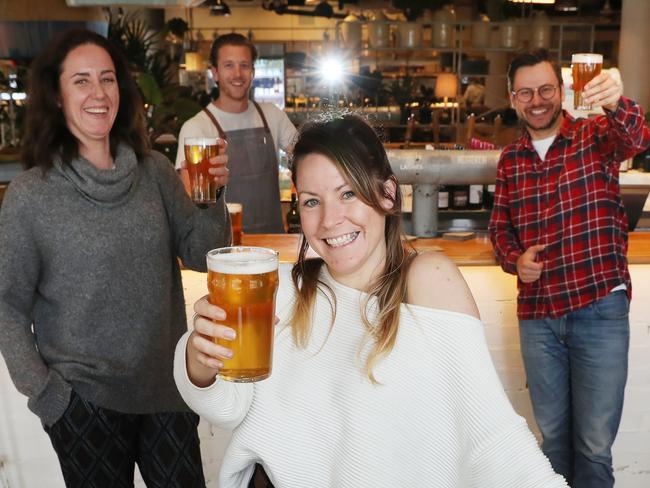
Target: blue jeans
576,367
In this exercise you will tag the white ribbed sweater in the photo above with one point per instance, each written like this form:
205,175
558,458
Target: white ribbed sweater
438,419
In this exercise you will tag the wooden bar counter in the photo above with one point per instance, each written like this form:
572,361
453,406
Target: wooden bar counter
473,252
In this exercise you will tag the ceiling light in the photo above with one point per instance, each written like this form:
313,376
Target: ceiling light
217,7
566,6
331,69
539,2
323,9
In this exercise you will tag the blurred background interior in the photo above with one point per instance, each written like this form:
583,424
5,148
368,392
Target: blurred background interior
430,74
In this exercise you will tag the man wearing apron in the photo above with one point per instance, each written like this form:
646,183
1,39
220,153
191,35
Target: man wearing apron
254,133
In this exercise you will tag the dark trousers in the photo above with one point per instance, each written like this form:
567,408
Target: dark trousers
260,478
98,448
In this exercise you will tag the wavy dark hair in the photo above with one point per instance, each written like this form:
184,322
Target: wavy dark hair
46,130
531,58
350,143
231,39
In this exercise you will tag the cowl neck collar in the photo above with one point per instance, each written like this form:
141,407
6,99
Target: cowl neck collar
106,187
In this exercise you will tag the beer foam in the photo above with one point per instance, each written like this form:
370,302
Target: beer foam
250,262
201,141
234,207
589,58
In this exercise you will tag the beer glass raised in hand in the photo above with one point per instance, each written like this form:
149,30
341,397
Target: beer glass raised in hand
243,281
584,66
198,151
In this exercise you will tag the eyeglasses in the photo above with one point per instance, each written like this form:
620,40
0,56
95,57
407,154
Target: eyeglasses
525,95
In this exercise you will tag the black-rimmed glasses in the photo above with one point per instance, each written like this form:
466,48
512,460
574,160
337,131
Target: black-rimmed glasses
525,95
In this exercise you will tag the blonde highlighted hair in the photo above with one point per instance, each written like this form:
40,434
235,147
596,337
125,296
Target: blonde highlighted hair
350,143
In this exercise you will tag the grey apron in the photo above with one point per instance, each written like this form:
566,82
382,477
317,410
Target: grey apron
253,179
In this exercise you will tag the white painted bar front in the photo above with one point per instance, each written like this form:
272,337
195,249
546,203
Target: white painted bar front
27,459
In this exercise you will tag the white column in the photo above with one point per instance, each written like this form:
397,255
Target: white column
633,50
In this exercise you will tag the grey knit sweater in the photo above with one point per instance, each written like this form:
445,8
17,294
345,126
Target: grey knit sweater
90,258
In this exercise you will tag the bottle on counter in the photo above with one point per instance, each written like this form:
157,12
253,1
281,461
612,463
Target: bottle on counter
443,197
488,196
460,197
293,217
475,197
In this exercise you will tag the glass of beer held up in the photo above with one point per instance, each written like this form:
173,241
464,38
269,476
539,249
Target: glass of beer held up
584,66
198,151
243,281
236,217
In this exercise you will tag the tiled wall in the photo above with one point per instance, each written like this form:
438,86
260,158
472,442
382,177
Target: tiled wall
27,459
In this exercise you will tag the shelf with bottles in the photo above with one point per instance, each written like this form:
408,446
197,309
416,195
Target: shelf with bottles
456,198
454,42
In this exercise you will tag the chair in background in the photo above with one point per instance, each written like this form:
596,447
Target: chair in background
495,133
482,130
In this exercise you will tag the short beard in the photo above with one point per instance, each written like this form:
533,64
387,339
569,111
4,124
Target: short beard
550,124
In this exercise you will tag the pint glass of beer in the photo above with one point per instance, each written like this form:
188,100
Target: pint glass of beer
585,66
198,151
236,216
243,281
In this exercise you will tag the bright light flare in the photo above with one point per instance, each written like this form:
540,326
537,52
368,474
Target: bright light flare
331,70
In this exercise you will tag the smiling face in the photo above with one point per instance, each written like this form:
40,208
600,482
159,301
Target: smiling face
89,94
542,117
234,72
347,233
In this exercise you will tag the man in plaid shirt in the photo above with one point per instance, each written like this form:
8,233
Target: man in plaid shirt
558,223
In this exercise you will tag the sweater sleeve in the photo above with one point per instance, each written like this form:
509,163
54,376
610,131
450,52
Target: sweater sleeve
504,453
194,231
224,403
20,268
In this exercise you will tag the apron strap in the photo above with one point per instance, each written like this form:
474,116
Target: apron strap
259,110
221,132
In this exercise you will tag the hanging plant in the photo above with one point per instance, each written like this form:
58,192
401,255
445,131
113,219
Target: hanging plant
177,27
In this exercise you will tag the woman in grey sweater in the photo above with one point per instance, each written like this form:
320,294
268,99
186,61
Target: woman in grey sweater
91,299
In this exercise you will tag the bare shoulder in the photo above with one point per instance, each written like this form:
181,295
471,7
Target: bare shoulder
434,281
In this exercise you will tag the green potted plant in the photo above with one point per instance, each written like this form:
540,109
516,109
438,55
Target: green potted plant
167,108
174,32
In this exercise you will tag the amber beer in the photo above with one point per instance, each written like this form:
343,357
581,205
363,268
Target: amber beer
585,67
198,151
243,281
236,218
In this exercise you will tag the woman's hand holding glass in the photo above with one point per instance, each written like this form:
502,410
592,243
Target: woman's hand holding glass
204,356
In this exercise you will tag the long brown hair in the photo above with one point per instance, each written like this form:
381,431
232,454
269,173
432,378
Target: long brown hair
46,130
350,143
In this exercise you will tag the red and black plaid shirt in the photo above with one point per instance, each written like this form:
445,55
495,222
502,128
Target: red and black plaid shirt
571,203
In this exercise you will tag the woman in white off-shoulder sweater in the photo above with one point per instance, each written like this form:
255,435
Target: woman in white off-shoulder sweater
381,374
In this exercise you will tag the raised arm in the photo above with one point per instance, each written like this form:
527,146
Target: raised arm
194,231
622,133
197,361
